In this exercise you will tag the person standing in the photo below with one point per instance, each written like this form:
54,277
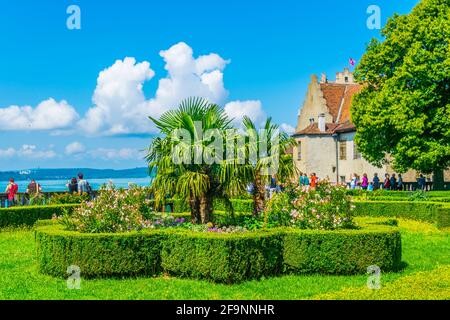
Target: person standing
353,181
73,185
11,190
387,182
376,182
33,188
306,181
313,181
393,182
301,180
421,182
364,182
83,185
400,182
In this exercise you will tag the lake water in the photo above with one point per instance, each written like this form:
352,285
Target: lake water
60,185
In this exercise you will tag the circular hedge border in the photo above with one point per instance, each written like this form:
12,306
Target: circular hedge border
223,258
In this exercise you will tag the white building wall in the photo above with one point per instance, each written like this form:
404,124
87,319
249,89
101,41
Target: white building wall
318,156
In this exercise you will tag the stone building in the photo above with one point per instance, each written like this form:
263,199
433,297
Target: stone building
325,133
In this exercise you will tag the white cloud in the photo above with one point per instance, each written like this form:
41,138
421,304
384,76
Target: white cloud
251,108
27,151
120,106
287,128
7,153
30,151
116,154
47,115
119,101
75,148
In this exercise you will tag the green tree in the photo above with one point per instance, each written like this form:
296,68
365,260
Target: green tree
278,143
403,109
193,179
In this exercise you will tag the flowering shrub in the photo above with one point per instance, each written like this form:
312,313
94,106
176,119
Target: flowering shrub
114,210
65,198
326,207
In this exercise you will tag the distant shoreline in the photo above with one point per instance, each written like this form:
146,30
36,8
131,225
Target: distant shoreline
68,173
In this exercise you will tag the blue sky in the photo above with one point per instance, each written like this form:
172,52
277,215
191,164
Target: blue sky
265,52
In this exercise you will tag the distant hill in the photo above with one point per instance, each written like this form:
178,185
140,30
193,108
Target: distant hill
59,174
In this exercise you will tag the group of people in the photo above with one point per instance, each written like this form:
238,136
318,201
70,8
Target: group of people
390,182
79,185
75,185
308,182
12,189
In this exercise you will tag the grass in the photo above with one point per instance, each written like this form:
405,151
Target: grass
425,252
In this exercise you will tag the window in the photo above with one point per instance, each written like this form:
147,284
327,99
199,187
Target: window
356,153
346,79
299,151
342,150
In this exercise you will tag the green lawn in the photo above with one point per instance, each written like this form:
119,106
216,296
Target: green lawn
426,276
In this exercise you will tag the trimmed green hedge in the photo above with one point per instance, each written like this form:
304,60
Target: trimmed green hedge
386,198
223,258
432,212
397,194
28,215
342,252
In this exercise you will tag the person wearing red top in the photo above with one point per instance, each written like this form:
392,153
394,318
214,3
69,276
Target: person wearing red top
11,190
313,181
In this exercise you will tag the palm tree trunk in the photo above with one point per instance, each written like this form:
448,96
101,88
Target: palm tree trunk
206,207
194,203
258,195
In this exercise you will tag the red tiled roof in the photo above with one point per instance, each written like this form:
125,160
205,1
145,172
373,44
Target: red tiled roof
337,94
314,129
347,126
338,98
333,94
351,91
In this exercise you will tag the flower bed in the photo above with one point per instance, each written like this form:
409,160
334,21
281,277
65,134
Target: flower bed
219,257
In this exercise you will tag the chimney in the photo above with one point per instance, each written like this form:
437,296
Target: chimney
322,122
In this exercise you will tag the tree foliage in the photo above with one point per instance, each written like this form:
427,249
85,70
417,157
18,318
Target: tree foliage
403,109
286,167
193,180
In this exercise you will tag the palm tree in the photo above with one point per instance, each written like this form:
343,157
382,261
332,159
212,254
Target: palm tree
193,179
275,141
